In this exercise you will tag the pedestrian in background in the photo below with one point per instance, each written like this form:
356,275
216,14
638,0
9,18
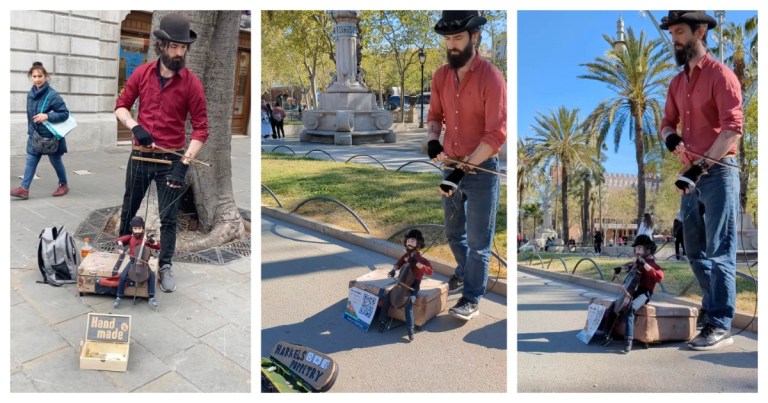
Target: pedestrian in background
44,104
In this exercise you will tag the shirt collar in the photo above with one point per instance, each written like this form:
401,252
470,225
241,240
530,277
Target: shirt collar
705,61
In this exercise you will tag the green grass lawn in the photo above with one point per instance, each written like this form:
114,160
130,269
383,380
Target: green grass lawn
677,275
386,201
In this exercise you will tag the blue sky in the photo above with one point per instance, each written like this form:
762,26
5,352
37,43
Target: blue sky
551,47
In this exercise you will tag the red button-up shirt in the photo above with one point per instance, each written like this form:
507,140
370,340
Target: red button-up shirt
163,110
473,111
705,105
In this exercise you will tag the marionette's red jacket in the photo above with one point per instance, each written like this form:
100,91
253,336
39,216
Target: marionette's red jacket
649,279
133,242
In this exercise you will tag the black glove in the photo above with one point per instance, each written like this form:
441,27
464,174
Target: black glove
391,273
151,239
451,182
617,270
412,260
178,175
640,262
672,141
142,135
687,181
434,149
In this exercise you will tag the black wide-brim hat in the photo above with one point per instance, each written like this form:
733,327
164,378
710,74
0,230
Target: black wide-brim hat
643,240
687,16
456,21
175,28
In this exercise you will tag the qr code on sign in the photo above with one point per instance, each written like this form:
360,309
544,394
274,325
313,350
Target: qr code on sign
368,306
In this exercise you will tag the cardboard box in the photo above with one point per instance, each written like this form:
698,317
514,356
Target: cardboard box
101,265
432,299
657,322
107,342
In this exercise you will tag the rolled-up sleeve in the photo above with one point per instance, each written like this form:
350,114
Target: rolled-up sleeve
728,99
130,92
671,114
198,112
495,130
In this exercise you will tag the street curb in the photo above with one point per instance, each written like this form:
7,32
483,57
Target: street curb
740,320
368,242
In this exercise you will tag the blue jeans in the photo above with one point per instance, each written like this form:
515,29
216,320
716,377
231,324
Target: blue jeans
138,177
470,222
637,303
34,159
409,309
124,279
709,214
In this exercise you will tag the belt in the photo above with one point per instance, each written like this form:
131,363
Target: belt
151,150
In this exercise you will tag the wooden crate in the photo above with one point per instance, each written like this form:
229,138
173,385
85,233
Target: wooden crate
107,342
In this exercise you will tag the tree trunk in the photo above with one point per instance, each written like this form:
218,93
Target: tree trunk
520,194
212,59
585,211
640,156
564,200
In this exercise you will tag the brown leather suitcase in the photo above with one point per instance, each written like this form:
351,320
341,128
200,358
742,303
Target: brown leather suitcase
98,266
660,321
432,298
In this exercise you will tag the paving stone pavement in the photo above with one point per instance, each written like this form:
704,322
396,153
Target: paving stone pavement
198,341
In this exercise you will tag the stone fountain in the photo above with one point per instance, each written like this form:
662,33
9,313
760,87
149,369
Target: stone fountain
347,113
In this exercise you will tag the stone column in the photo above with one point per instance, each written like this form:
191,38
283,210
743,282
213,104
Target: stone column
346,52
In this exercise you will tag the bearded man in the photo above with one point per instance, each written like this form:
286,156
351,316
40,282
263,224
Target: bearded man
704,103
469,95
168,93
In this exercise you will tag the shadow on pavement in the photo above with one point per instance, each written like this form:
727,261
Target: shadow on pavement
735,360
488,336
308,265
553,307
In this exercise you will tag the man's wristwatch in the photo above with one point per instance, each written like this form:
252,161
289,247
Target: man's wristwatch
703,165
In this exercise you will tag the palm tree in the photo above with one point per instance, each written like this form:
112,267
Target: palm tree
741,41
559,136
532,210
639,77
525,171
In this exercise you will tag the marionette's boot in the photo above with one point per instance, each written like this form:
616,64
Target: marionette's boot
152,302
627,346
410,333
117,302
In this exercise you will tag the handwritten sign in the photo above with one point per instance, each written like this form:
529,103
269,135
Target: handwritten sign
361,307
312,366
594,317
108,328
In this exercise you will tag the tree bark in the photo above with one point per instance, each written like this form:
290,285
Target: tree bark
640,156
564,200
212,58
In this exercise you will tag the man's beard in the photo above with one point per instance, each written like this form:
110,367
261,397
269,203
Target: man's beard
686,53
138,235
172,63
458,61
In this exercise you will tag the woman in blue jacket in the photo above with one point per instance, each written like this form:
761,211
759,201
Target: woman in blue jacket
43,104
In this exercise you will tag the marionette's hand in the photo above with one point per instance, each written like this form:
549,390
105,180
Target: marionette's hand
178,175
687,181
151,240
672,141
391,273
617,270
142,136
640,262
451,182
434,149
120,248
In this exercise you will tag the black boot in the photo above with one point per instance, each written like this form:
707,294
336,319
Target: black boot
627,346
410,333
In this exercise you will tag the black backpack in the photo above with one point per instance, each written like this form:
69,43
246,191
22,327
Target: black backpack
57,256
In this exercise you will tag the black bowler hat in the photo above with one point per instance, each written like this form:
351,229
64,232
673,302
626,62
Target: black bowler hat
175,28
455,21
687,16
